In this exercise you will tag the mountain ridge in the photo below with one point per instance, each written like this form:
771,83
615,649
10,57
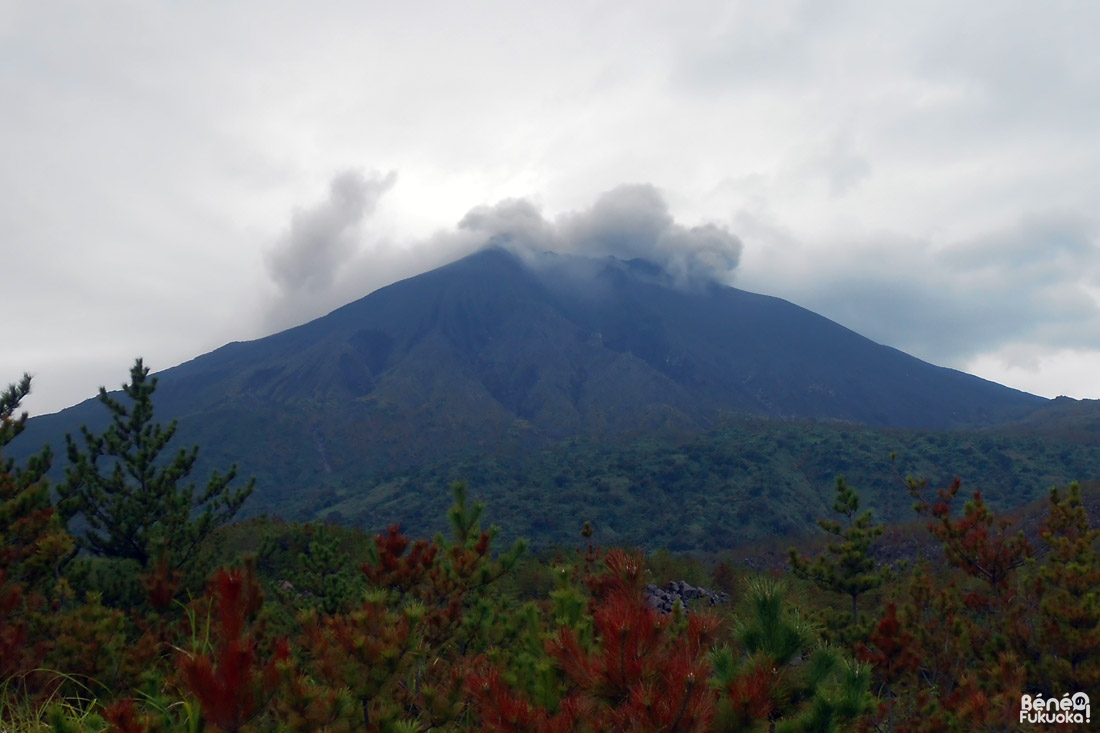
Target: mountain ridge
492,295
500,353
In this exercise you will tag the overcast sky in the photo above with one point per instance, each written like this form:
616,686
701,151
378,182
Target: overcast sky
176,176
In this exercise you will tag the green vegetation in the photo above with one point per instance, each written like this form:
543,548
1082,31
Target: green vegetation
846,567
751,480
134,503
305,627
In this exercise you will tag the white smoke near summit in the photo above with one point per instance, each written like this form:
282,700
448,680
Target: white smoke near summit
327,256
322,239
628,222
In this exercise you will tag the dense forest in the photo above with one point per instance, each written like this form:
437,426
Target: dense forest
744,482
133,600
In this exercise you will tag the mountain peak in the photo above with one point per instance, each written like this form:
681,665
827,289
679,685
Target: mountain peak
503,348
575,344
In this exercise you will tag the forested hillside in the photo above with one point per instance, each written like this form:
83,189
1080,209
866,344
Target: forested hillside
503,358
274,579
748,480
268,626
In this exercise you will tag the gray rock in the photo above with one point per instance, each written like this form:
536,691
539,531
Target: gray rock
663,600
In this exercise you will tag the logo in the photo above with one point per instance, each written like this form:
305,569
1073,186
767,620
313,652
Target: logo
1067,709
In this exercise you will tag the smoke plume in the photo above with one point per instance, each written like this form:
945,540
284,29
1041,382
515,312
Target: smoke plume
628,222
321,240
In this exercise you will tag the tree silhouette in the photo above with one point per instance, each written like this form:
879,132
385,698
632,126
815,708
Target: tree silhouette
32,544
1069,584
846,567
134,502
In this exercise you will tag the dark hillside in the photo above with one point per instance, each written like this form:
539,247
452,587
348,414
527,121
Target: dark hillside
494,356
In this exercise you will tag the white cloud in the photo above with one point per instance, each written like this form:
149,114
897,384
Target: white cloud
1033,283
918,159
1040,370
319,265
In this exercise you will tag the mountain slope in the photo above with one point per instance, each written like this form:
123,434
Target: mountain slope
570,351
494,353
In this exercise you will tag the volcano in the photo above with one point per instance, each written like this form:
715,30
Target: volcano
503,352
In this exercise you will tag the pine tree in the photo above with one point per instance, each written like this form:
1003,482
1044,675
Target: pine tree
969,625
228,673
782,678
625,666
135,502
403,652
32,544
324,573
980,543
1069,626
32,541
846,567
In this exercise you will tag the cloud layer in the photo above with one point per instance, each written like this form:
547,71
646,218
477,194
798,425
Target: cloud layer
1010,296
888,164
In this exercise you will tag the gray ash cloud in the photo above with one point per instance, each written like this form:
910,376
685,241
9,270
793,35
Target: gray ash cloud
322,239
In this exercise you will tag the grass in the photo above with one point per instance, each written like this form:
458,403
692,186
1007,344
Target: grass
23,714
